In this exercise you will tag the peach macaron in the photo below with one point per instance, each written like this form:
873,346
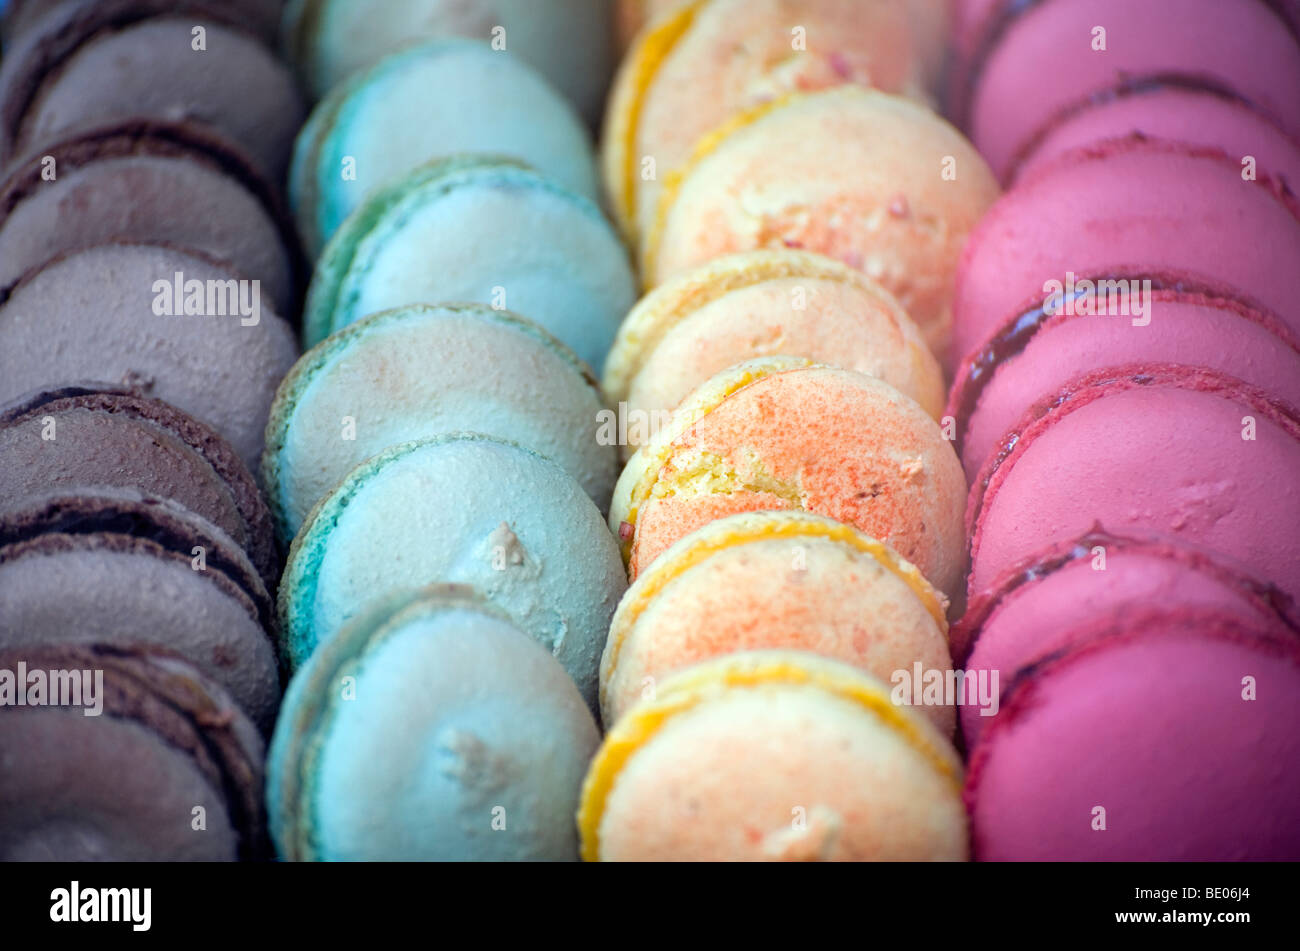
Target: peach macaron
774,580
773,756
876,181
757,304
688,73
783,433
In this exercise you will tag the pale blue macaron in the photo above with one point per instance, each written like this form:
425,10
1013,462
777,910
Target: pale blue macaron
421,370
429,728
570,42
468,509
441,98
477,228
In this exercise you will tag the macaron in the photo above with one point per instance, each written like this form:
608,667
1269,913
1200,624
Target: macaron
687,75
437,99
773,756
1030,611
84,436
1033,355
1046,60
149,182
370,386
261,17
115,566
115,59
778,433
774,580
630,16
477,228
167,770
1209,118
1145,448
429,729
758,304
1165,735
166,322
569,42
876,181
467,509
1136,210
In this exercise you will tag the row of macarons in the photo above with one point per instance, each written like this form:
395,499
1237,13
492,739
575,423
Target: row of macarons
144,145
1126,414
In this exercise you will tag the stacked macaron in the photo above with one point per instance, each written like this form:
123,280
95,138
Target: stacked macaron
147,267
790,510
1127,410
435,462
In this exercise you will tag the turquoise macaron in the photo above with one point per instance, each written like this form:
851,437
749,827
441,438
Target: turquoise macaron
421,370
468,509
478,228
444,97
430,728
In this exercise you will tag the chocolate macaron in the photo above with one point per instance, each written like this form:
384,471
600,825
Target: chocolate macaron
144,180
176,325
116,566
167,769
80,436
113,59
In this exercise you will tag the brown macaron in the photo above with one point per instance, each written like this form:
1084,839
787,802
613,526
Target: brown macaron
113,59
144,180
86,435
123,753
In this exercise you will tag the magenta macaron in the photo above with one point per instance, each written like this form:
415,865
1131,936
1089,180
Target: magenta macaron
1145,448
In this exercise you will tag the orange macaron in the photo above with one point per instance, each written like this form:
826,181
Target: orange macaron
782,433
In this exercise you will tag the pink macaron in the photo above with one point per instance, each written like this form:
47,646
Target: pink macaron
1161,735
1031,610
1034,355
1127,210
1145,448
1039,62
1212,118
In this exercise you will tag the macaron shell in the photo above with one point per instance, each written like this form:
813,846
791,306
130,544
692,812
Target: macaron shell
1197,117
140,185
66,589
1186,329
1093,459
1116,578
469,510
126,440
773,580
479,230
807,760
1183,765
165,743
384,122
508,735
567,41
1136,210
370,387
846,446
760,304
151,68
851,173
1046,61
91,315
691,76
